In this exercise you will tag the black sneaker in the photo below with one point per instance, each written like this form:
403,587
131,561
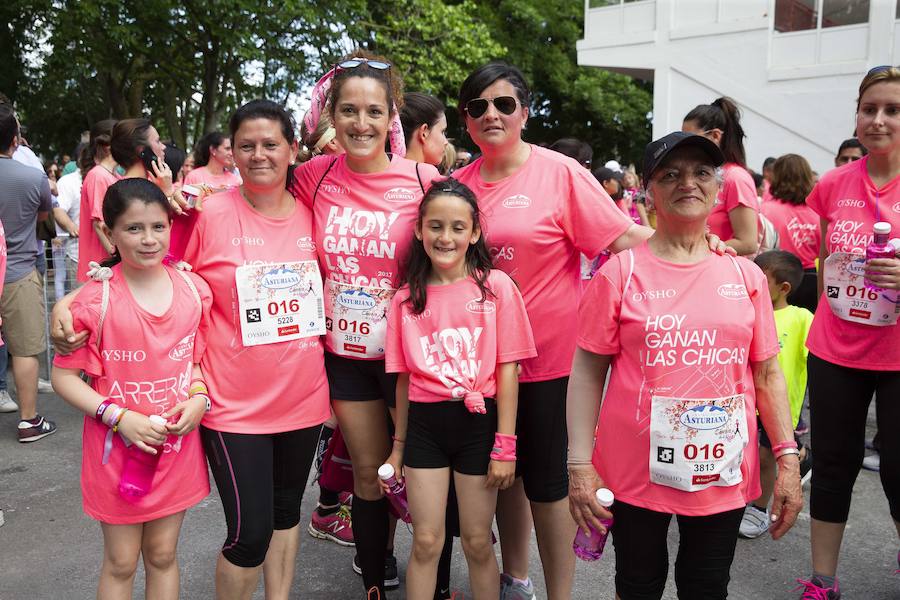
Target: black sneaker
29,431
391,578
806,467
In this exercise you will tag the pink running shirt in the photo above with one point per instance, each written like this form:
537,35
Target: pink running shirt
144,364
798,229
738,189
456,343
847,198
364,224
202,175
536,222
675,330
261,389
96,182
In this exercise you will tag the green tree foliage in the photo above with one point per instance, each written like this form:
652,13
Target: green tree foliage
188,63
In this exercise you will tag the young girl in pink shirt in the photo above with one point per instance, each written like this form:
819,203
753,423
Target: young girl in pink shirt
455,333
146,324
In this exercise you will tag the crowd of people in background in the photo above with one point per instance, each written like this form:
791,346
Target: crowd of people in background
498,335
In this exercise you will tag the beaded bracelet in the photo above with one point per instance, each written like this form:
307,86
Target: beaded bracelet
115,427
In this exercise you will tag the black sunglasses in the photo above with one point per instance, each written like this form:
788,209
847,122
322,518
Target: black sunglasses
476,107
880,68
355,62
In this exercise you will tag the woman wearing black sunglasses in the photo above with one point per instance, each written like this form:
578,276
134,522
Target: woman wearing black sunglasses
364,203
540,209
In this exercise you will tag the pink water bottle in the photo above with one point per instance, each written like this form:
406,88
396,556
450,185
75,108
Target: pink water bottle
880,247
396,492
591,547
140,467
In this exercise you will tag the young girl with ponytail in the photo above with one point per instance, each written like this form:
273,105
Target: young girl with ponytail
735,216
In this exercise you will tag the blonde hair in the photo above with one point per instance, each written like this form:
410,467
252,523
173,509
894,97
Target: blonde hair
314,142
883,74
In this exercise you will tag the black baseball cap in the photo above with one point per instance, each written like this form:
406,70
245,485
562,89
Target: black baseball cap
604,174
657,151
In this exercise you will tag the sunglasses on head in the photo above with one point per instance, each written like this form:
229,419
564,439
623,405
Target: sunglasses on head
352,63
880,68
476,107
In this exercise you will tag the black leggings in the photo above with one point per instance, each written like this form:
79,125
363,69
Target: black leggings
839,400
260,478
705,553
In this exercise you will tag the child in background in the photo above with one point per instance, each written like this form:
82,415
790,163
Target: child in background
146,324
784,272
455,333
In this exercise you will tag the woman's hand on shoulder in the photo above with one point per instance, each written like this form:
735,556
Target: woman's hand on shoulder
501,474
62,332
583,485
191,410
142,432
718,246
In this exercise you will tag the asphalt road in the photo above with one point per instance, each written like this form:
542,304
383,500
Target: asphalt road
50,550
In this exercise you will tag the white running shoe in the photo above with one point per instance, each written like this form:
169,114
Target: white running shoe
513,589
7,404
754,523
44,387
872,462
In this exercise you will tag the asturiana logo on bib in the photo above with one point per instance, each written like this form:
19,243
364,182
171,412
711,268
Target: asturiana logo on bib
306,244
517,201
896,207
707,416
356,300
478,307
280,279
182,349
399,195
857,267
732,291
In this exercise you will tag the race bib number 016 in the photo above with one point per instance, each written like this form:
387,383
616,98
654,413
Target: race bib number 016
356,320
697,443
279,302
850,299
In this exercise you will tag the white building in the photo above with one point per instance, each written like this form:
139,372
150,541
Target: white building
793,66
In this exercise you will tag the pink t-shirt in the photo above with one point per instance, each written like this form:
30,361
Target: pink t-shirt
686,331
93,189
268,388
144,364
847,198
798,229
364,224
202,175
455,344
536,222
738,189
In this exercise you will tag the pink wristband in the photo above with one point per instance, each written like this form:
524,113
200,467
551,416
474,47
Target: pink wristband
781,446
504,447
98,416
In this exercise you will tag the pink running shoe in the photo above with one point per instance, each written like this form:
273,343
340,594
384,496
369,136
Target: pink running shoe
336,527
814,590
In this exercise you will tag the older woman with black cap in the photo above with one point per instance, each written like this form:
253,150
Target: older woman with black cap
691,339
